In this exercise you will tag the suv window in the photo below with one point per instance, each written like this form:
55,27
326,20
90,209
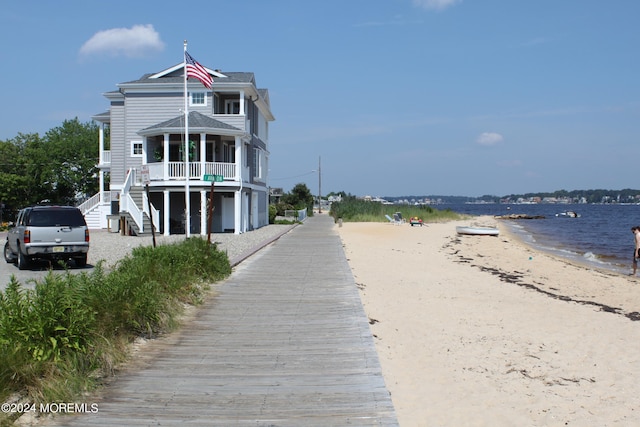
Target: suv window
55,217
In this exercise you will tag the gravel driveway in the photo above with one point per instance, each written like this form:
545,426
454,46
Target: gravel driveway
111,247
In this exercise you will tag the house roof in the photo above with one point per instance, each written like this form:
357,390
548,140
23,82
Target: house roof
175,75
104,117
197,123
172,79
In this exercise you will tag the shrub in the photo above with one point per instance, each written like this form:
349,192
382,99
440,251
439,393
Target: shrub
273,212
281,207
58,338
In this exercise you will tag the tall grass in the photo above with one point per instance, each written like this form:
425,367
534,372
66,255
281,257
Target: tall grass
59,339
354,210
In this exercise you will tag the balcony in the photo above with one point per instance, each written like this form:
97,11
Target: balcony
105,159
176,170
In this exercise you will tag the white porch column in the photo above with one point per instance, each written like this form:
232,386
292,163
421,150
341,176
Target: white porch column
203,152
237,211
242,103
101,187
101,143
144,150
245,212
100,161
203,212
239,162
166,211
165,156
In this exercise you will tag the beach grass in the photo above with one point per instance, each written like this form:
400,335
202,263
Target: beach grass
354,210
62,338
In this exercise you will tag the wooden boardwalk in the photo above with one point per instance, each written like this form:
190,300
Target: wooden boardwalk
285,343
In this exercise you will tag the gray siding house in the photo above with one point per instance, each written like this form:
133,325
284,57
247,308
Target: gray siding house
142,141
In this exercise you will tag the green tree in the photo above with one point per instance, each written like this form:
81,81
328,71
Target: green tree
21,168
72,172
300,197
11,175
59,167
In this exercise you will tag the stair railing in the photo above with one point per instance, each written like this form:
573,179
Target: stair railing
127,204
154,214
90,203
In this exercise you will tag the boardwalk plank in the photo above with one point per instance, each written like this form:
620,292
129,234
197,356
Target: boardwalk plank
285,342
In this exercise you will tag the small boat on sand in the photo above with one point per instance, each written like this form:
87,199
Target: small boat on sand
478,231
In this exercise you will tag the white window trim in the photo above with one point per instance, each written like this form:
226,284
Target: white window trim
191,103
133,144
259,164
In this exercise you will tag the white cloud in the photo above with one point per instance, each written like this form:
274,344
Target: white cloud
489,138
137,41
435,4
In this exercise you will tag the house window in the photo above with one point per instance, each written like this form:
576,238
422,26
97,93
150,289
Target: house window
197,98
232,107
258,163
229,153
136,148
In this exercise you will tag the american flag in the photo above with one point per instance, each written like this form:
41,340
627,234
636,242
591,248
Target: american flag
194,69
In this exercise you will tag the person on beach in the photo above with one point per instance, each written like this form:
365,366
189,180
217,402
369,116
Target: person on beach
636,251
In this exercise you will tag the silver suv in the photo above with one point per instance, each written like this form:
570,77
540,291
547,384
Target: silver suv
48,232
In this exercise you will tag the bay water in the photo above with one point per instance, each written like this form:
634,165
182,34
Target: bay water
601,236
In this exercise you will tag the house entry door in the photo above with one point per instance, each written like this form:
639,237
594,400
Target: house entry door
255,223
228,217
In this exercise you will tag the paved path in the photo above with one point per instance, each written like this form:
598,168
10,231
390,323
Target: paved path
285,343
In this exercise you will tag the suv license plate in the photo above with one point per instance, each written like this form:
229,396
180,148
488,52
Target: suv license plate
58,249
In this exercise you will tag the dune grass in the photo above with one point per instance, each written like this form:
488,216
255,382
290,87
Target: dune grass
64,337
353,210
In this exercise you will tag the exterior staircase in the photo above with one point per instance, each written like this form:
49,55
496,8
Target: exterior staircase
95,212
92,217
136,195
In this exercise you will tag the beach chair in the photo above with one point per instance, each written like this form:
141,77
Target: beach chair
398,219
392,220
415,221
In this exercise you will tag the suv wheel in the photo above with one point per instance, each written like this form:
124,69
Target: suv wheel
9,256
23,261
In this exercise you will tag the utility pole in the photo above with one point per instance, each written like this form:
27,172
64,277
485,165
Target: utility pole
319,186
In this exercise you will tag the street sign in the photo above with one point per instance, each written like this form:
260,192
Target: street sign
144,174
213,178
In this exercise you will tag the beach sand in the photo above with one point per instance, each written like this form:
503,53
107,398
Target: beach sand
486,331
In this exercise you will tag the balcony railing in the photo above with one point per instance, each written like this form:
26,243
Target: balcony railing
106,157
176,170
236,120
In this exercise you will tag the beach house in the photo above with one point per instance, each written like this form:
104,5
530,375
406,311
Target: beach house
165,136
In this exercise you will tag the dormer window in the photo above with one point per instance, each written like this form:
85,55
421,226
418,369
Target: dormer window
197,98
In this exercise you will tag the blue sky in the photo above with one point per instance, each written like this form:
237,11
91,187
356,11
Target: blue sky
397,97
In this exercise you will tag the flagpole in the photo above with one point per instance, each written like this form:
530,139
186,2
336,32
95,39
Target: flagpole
187,207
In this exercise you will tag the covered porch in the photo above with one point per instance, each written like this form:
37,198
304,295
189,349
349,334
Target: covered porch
230,210
214,148
176,166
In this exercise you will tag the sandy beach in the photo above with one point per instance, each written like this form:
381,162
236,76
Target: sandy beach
486,331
